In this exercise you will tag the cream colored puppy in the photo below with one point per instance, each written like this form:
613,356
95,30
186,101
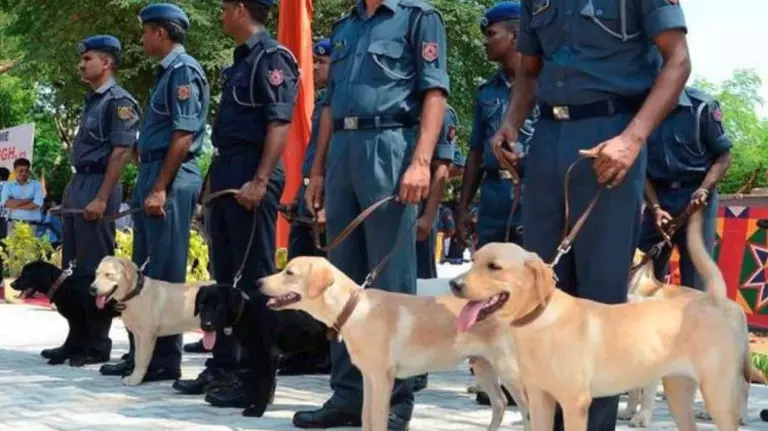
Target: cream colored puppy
392,335
572,350
153,308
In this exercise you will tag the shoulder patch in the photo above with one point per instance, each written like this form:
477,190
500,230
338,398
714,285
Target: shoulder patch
183,92
125,112
716,112
429,51
276,77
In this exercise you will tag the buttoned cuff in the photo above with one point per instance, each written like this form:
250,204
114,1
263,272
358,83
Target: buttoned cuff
186,124
123,139
663,19
434,79
527,44
444,153
279,112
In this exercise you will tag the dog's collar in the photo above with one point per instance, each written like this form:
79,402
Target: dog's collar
57,284
532,315
120,306
346,312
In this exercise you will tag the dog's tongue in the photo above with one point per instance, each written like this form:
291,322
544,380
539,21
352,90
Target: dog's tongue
468,316
209,340
100,302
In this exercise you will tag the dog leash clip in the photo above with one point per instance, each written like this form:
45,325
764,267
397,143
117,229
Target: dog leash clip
144,265
70,269
561,251
236,280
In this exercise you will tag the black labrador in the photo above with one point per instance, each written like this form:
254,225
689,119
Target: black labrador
223,308
88,339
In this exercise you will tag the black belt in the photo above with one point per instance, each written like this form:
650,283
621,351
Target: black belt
498,174
377,122
605,108
234,150
677,184
95,168
155,155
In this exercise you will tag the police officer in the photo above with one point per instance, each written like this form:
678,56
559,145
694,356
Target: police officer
249,135
314,356
388,69
599,97
301,241
426,224
103,145
500,26
687,156
169,180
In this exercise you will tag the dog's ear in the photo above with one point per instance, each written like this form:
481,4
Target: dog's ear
320,278
543,278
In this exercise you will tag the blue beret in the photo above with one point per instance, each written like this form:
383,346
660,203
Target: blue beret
502,11
164,12
102,42
322,47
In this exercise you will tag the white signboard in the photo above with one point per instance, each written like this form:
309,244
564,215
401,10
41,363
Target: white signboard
15,143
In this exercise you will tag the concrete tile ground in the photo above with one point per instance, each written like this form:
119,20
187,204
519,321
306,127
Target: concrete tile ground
35,396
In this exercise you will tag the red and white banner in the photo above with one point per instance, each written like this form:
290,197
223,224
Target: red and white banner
15,143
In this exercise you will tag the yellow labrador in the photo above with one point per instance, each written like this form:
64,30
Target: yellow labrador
572,350
153,308
391,335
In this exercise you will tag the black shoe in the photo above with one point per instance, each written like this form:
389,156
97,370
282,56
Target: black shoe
326,417
419,382
483,399
396,423
196,347
122,368
49,353
233,396
160,375
209,379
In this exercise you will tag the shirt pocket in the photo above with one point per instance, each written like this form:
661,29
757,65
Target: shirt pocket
681,140
491,116
339,68
542,24
388,61
93,125
240,84
601,23
158,100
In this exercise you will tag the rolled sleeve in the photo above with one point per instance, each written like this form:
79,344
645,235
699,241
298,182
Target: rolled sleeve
660,16
476,139
527,41
713,133
432,56
124,123
277,83
187,100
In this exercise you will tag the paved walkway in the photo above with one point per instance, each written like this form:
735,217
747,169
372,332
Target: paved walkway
35,396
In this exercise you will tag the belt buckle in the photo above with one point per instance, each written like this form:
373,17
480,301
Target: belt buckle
306,181
216,152
350,123
561,112
505,174
74,169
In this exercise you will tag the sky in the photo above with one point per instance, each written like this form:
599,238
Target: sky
723,37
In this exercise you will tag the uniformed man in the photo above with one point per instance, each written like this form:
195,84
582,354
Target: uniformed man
169,180
316,358
388,70
426,224
104,143
599,97
249,134
500,26
687,156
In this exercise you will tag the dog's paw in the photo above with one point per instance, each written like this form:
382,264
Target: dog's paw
132,380
77,361
641,419
626,414
57,360
255,410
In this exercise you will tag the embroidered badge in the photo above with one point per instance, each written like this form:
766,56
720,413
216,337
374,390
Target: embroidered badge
182,92
451,133
717,114
124,113
276,77
429,51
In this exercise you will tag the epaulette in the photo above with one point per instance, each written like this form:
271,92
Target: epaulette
419,4
343,17
699,95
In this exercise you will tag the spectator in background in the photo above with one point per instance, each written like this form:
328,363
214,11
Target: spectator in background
22,197
51,226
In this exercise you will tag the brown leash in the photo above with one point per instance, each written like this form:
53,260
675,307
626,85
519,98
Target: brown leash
517,187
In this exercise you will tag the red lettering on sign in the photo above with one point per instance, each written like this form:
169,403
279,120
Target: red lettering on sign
8,153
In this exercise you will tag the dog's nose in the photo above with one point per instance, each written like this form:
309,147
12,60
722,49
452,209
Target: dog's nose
259,283
457,285
206,326
93,290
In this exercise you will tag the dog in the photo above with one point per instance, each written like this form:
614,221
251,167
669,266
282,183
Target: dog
392,335
152,308
87,339
692,338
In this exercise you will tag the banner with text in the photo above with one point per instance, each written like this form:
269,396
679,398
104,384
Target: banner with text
15,143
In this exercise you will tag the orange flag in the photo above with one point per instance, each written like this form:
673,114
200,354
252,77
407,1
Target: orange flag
294,31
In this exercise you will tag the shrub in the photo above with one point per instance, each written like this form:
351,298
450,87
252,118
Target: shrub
22,246
197,259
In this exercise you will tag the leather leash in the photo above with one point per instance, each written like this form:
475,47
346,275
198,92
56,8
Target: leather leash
517,187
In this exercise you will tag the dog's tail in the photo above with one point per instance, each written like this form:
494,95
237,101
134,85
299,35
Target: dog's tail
702,260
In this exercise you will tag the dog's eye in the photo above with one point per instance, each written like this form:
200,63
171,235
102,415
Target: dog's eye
288,272
493,266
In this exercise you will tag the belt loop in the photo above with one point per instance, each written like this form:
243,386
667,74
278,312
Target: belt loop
377,121
611,108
